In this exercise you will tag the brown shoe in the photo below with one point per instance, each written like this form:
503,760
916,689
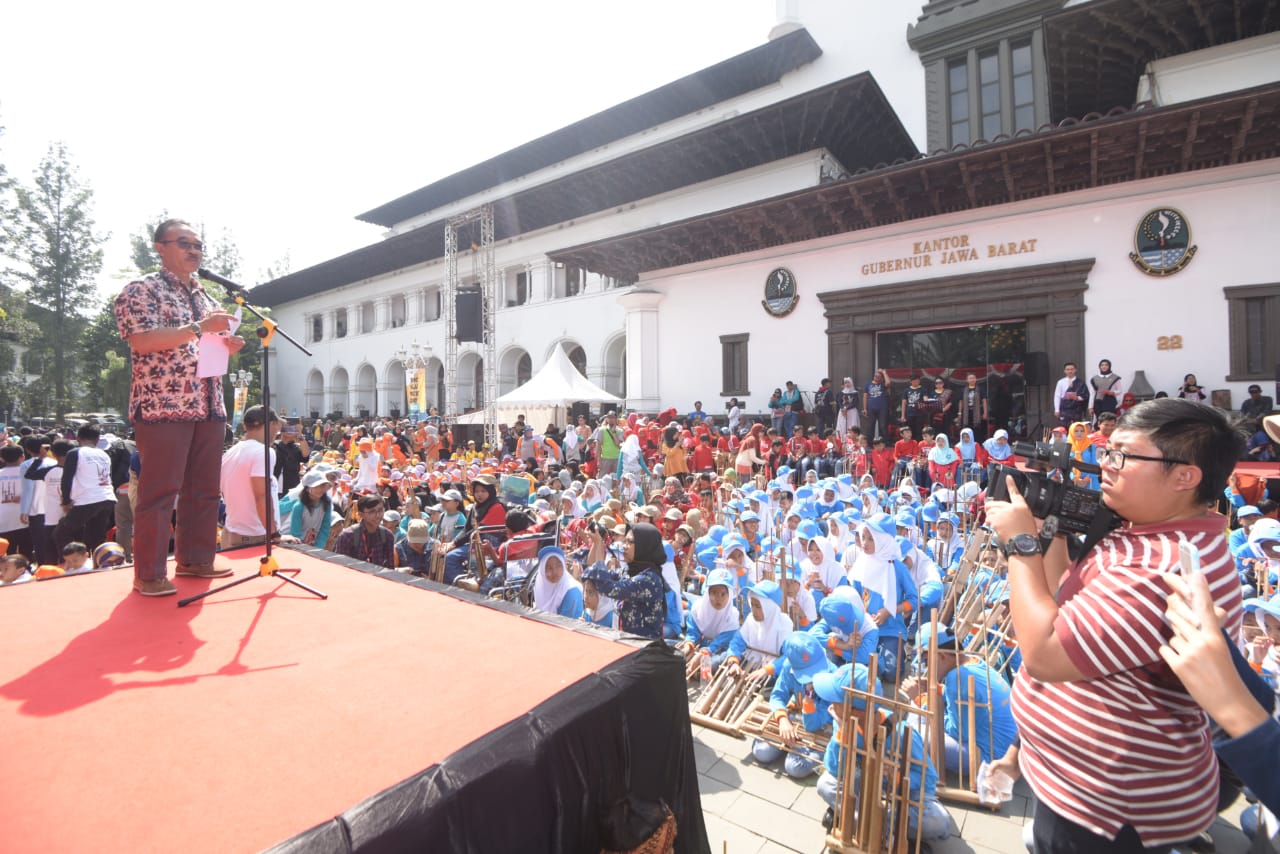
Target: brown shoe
203,570
154,586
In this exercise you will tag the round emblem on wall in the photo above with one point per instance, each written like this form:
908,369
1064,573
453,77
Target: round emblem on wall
780,292
1162,242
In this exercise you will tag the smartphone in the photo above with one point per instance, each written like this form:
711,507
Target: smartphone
1189,559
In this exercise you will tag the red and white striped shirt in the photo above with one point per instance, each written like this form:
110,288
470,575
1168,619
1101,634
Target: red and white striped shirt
1126,744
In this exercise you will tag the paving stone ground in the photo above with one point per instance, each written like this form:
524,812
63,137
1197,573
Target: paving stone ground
753,809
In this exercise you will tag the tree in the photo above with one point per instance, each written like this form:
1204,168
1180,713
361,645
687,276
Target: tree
58,254
6,203
142,248
105,361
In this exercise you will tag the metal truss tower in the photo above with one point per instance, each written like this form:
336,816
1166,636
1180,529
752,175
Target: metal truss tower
487,269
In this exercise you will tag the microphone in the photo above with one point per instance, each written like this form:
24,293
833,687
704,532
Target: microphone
230,286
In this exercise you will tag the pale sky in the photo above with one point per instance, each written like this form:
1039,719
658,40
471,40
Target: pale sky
281,121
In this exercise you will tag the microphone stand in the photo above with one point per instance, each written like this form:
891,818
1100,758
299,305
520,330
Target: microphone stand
267,565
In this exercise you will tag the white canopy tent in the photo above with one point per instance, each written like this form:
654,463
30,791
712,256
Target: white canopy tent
545,398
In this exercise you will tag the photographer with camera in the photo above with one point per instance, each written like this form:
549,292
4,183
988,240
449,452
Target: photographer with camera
1095,703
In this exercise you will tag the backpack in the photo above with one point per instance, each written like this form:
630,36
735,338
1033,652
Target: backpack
120,452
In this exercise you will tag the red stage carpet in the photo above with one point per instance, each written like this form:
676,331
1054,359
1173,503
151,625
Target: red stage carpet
129,724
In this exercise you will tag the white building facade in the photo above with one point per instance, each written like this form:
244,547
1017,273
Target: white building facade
644,247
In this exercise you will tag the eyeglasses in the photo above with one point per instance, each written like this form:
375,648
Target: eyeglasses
185,244
1116,458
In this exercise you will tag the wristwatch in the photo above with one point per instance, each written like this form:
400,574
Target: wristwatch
194,328
1025,545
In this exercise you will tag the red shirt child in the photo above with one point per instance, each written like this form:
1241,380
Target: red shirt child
702,458
882,460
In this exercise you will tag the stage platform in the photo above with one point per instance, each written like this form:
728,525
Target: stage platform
418,717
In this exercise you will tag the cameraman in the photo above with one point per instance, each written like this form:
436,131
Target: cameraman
1115,749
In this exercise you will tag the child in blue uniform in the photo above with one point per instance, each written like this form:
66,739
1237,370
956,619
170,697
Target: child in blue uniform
993,733
555,591
830,688
712,622
887,589
757,647
803,657
846,629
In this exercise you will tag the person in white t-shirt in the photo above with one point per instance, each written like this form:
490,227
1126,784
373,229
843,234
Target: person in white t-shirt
11,526
88,498
245,491
52,489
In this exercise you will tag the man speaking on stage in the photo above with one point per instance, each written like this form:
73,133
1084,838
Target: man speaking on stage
179,418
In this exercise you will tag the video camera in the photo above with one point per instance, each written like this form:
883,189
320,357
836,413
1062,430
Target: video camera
1064,507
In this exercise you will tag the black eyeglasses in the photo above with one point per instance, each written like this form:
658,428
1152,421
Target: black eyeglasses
185,244
1115,458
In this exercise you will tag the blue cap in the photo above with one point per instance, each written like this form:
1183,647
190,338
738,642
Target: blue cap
717,533
719,577
1248,510
945,636
806,655
808,530
805,493
708,557
838,611
767,590
1264,606
905,519
831,686
749,516
784,471
904,546
952,518
884,523
931,512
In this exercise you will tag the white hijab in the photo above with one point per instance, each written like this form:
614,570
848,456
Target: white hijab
876,570
547,596
672,577
922,567
767,635
604,613
711,623
839,542
828,570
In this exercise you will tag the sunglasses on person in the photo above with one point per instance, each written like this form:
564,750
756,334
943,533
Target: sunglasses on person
185,245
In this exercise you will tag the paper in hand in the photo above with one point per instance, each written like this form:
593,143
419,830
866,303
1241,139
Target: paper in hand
214,352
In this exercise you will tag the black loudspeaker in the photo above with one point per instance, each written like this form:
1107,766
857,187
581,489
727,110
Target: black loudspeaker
470,317
1036,369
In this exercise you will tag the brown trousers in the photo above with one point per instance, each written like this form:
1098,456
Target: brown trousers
181,461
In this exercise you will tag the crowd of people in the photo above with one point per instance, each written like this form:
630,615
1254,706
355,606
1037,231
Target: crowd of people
796,569
807,559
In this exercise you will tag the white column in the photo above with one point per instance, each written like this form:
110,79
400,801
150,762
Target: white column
541,281
381,313
641,323
331,324
389,397
413,307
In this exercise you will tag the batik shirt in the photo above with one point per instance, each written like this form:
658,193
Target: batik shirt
165,387
642,599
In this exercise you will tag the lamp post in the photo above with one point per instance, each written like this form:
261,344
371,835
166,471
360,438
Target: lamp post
415,358
241,379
